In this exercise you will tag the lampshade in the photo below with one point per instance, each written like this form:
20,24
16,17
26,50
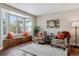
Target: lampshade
75,24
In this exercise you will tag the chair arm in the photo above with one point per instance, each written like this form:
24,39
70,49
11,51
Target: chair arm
65,41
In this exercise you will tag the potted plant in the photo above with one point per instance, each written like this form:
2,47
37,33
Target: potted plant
36,30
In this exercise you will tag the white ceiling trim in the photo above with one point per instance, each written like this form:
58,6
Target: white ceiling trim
44,8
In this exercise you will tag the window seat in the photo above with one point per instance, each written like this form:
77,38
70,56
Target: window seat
15,41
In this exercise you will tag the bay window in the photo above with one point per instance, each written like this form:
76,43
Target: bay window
14,23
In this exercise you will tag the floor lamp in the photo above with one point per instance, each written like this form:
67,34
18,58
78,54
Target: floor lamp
76,25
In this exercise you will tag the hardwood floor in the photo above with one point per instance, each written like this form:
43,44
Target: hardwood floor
15,51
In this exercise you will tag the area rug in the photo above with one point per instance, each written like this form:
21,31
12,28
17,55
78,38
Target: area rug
43,50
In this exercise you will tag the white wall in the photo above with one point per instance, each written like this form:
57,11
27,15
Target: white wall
66,19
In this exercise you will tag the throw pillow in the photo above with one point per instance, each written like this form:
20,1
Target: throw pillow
40,34
25,34
10,35
60,36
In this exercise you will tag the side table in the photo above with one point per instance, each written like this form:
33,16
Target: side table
73,50
48,40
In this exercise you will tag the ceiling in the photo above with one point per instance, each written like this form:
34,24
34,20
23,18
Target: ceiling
44,8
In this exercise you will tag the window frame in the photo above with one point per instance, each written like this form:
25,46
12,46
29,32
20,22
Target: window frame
8,22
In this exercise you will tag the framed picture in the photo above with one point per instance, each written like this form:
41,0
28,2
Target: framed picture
53,23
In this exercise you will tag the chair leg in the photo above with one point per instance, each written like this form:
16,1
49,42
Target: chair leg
64,49
34,42
51,45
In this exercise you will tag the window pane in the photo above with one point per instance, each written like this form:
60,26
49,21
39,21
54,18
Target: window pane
4,22
13,23
20,25
28,25
0,23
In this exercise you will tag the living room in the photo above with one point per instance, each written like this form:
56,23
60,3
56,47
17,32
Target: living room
18,22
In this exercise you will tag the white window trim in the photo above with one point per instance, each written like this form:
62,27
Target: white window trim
8,23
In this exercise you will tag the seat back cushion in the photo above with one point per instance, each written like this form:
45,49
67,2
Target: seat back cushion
60,36
60,41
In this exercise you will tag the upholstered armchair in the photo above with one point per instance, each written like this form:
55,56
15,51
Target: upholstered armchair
61,40
39,37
